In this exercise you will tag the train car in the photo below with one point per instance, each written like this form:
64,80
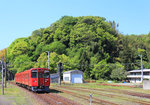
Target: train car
35,79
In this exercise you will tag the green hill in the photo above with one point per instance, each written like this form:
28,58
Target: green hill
87,43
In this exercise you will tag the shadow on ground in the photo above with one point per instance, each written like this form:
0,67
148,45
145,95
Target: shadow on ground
51,91
55,91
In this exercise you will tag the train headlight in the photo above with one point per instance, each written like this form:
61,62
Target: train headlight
46,80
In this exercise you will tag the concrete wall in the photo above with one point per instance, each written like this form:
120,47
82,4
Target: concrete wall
146,84
68,76
54,78
134,81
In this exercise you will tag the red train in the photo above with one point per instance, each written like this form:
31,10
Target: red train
35,79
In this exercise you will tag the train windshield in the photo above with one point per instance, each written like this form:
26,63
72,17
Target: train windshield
40,75
34,74
46,74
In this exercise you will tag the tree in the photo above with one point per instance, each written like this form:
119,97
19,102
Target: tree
101,70
87,43
2,53
22,63
57,47
128,54
118,72
42,61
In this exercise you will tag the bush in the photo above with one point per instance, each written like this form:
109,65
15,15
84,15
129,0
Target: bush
145,79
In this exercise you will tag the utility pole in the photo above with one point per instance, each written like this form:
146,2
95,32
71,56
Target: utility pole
141,69
5,68
48,59
2,77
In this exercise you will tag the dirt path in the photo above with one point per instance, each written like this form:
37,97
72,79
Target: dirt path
5,101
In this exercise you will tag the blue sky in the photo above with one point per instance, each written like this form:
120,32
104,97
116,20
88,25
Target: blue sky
18,18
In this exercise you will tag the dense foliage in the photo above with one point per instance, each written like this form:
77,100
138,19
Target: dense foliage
87,43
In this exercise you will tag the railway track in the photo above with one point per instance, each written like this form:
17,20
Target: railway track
53,98
48,98
137,94
126,98
85,97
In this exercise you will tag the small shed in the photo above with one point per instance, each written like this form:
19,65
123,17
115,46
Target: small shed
54,78
73,76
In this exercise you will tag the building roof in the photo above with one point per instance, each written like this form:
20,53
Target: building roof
144,70
71,71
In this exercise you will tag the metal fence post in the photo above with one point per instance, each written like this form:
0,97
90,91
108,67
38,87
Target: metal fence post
90,99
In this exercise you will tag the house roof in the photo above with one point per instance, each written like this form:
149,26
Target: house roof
71,71
144,70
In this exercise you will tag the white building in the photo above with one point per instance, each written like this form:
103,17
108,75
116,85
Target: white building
135,76
73,76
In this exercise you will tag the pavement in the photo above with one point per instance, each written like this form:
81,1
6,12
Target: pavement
5,101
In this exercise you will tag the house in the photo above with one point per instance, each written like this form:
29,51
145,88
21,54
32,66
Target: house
135,76
73,76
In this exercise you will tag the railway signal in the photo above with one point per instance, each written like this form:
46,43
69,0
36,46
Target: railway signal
59,70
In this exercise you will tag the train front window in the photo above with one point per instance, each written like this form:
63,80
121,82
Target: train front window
46,74
34,74
40,75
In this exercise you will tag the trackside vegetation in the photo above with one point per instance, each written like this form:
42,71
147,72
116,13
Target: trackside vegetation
12,95
91,44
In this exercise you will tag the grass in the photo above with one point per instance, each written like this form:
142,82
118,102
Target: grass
15,95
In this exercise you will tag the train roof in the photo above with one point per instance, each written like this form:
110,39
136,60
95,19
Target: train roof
32,69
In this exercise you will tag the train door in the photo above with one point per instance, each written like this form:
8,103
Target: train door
47,77
41,77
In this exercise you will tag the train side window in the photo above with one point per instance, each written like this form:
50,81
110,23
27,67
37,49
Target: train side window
34,74
46,74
